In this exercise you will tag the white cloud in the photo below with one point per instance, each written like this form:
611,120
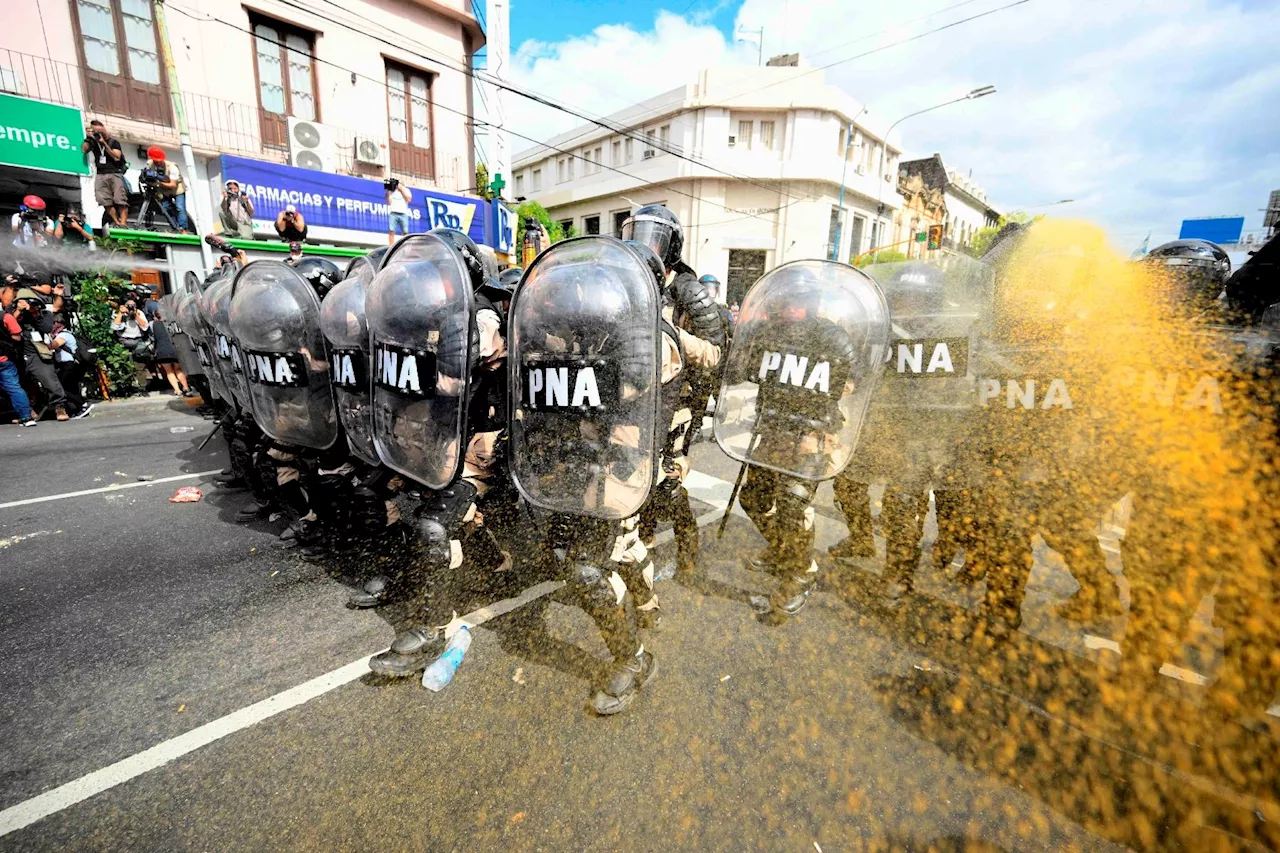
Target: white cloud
1143,114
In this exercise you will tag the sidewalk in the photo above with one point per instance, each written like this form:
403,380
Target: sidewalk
154,399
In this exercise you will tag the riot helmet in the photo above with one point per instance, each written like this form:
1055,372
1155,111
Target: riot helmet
914,288
1190,271
366,265
321,273
659,229
501,288
470,252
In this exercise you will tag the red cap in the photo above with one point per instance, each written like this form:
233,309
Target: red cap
33,202
155,153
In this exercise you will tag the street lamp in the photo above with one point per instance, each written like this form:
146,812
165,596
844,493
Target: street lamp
848,143
1046,204
973,95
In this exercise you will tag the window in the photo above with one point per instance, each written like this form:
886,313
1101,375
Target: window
570,159
560,171
619,217
519,185
844,141
286,78
566,227
617,153
649,137
833,233
766,135
664,136
591,224
409,117
537,180
586,162
744,134
121,59
599,158
630,150
745,267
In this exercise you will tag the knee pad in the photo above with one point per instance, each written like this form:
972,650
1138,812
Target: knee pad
597,587
794,504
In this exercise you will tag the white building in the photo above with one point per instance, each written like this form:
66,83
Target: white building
751,160
968,210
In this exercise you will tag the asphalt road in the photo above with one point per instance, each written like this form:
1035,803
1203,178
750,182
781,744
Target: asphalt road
139,633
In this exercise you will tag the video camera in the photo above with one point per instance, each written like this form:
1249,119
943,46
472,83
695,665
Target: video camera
391,184
151,178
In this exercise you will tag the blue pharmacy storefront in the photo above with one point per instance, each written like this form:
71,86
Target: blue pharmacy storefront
348,209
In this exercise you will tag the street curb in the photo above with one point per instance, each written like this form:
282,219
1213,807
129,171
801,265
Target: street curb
151,401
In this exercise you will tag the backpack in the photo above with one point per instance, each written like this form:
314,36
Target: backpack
86,356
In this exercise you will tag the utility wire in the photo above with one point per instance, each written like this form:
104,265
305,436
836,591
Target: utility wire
474,122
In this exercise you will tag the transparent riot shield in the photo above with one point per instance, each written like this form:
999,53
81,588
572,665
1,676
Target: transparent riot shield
345,327
926,406
183,342
423,349
216,302
275,318
807,353
584,370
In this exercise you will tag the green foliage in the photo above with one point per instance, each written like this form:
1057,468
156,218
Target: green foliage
538,212
482,182
982,238
888,256
95,294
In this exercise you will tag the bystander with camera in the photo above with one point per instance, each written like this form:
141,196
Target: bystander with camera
73,231
236,212
10,354
70,363
37,340
163,179
31,225
109,188
398,198
290,225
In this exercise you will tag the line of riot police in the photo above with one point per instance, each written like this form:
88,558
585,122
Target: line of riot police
425,404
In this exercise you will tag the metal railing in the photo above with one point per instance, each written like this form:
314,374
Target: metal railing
216,125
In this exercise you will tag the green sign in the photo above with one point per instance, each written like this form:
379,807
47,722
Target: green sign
920,236
36,135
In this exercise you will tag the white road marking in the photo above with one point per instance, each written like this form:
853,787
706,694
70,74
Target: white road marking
114,487
703,487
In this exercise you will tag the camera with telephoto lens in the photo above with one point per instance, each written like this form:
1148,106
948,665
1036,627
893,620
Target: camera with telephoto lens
390,184
29,215
220,245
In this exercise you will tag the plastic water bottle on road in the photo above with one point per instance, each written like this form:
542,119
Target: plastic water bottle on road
440,673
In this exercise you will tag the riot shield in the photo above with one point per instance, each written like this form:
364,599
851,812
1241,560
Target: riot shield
585,374
275,318
925,407
216,302
423,346
193,316
807,353
183,342
345,327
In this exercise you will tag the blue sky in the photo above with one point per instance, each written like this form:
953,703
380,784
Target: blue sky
1143,113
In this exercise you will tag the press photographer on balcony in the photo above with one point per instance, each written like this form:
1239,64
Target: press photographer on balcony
161,180
109,165
290,225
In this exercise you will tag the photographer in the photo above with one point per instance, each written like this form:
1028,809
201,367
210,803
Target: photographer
163,179
398,198
37,343
70,368
72,230
236,212
10,352
133,330
109,189
290,225
30,224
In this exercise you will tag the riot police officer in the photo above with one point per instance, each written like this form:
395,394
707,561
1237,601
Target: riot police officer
806,357
585,373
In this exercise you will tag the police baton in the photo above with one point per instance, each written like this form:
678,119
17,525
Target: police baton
210,436
733,499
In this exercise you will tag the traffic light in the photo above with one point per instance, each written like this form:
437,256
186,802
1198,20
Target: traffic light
935,237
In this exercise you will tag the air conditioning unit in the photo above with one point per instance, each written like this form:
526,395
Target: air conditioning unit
371,151
311,145
649,154
733,140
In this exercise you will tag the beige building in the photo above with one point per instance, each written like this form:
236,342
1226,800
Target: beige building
751,160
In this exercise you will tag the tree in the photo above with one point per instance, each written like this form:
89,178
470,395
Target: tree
888,256
982,237
482,182
538,212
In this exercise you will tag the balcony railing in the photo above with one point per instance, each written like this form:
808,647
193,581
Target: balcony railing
216,126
